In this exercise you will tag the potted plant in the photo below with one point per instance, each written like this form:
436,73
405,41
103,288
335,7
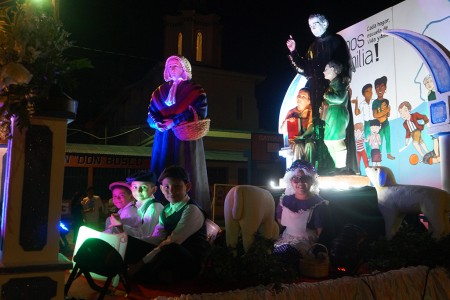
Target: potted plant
34,70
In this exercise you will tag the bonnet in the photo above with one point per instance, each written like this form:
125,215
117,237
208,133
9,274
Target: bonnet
308,169
187,68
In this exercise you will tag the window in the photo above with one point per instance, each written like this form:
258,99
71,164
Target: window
438,112
199,47
180,43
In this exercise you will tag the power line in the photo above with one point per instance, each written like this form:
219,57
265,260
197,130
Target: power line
112,53
109,137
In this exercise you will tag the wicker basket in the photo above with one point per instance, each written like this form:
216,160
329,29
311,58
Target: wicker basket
191,131
313,266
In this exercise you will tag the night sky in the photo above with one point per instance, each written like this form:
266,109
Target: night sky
254,34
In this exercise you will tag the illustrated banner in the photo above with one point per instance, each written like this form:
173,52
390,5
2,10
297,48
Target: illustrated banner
406,147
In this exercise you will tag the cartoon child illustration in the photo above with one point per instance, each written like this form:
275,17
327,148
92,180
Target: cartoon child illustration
429,84
374,140
433,157
359,141
381,111
413,124
365,107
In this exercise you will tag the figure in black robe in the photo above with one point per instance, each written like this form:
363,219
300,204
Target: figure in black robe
325,48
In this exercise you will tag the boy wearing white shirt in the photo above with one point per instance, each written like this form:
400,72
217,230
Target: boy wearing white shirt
127,212
179,243
143,186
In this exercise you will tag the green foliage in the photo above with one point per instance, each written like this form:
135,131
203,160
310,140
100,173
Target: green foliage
32,59
409,247
257,266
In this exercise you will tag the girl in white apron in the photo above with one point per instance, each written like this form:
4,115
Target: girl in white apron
301,212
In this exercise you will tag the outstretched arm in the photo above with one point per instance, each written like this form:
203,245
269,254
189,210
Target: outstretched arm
291,44
294,57
357,110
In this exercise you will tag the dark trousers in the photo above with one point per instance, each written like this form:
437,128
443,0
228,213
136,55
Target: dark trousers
136,250
173,263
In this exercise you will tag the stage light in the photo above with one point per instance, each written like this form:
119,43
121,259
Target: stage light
63,228
343,182
273,185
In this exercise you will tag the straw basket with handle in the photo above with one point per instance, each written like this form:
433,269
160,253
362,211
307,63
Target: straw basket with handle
191,131
315,266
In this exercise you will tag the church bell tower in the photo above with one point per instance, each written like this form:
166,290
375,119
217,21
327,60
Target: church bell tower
196,36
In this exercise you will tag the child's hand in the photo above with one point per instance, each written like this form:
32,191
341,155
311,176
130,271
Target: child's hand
168,123
160,126
115,220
